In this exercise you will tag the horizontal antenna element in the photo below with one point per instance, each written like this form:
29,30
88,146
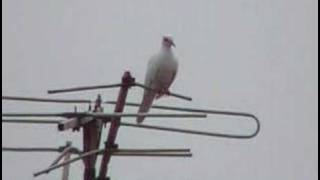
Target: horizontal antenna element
33,99
84,88
104,115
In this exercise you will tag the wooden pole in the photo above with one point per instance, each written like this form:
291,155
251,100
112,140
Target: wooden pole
91,141
127,82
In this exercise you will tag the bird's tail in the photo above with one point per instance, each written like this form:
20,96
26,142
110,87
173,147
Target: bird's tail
146,103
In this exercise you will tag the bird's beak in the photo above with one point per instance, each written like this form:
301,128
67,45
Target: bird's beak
173,44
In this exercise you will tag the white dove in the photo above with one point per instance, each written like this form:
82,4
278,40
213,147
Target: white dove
161,71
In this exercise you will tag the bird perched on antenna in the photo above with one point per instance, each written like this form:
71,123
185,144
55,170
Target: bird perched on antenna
161,71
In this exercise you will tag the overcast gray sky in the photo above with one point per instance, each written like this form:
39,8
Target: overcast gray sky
258,56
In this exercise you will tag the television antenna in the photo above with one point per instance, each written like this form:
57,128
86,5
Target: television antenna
92,122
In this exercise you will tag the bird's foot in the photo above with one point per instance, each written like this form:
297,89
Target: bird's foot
162,93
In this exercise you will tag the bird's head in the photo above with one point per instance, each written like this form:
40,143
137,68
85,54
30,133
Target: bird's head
167,42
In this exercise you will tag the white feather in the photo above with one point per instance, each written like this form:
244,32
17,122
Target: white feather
161,71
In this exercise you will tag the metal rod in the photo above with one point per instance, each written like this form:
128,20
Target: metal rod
20,149
37,149
84,88
104,115
152,150
42,114
31,121
185,131
167,93
66,168
154,115
215,112
63,153
111,153
45,100
184,109
66,162
153,154
76,151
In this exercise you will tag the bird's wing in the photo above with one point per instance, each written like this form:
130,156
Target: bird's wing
151,71
146,103
168,76
174,73
148,96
